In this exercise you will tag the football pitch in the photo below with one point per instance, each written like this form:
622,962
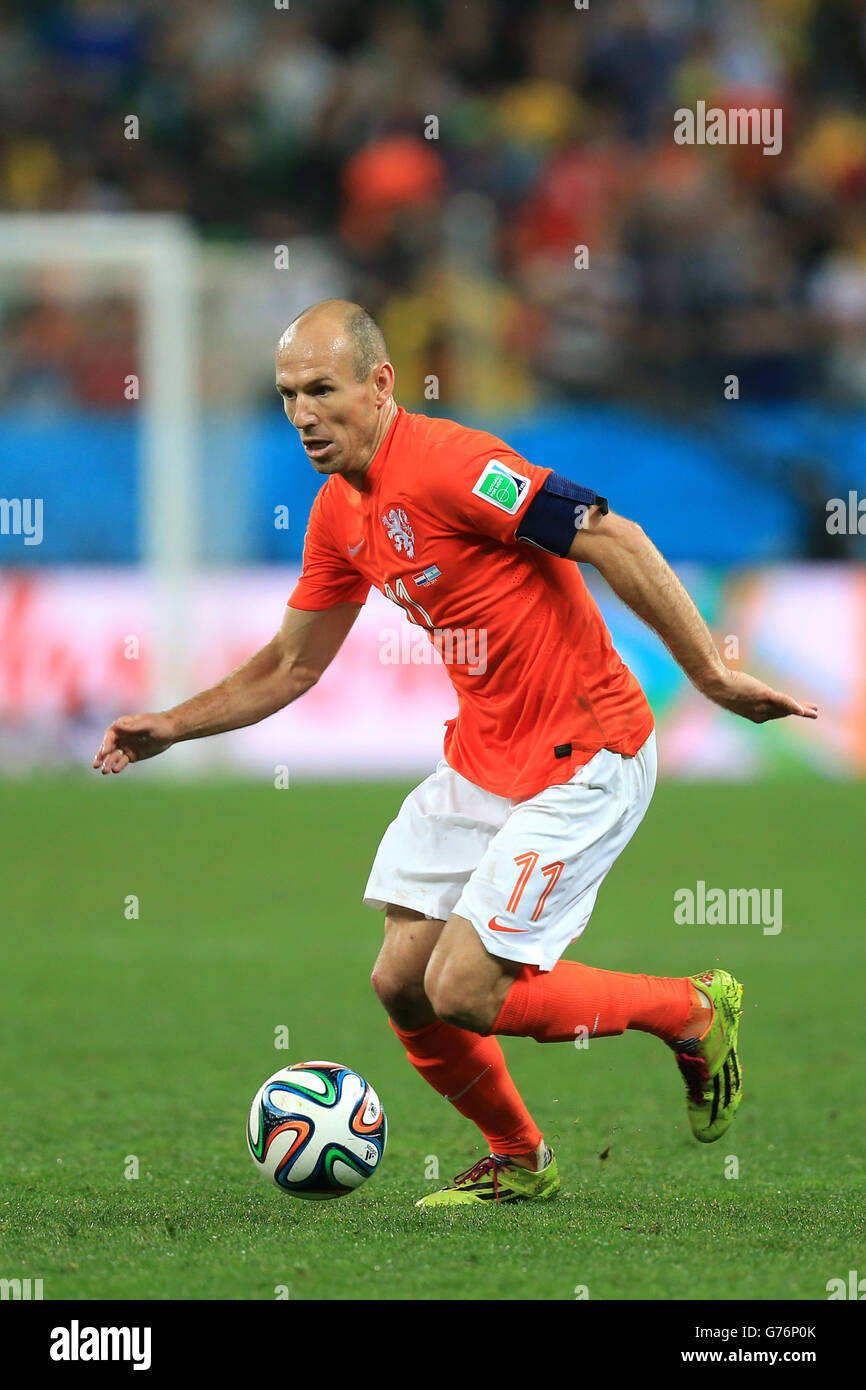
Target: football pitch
134,1043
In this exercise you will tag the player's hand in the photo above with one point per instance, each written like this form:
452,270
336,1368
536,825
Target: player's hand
131,739
744,695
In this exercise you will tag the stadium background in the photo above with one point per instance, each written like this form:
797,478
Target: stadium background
305,129
264,132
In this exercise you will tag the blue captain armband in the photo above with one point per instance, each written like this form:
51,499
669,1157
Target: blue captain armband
556,512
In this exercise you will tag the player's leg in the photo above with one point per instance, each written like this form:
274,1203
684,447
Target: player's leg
427,855
698,1016
465,1068
495,967
475,990
398,975
495,962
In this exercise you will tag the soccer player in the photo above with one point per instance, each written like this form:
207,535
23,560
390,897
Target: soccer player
494,862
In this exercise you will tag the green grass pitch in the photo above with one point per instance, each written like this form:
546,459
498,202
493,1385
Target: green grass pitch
148,1037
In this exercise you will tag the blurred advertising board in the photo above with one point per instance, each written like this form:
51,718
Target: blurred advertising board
78,647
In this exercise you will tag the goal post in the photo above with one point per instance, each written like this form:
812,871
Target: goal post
159,252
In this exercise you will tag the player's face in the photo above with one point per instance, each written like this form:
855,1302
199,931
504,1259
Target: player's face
337,417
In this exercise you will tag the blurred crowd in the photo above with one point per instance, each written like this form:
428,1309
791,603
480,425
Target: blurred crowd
441,160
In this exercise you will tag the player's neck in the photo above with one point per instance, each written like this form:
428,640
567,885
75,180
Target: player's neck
357,477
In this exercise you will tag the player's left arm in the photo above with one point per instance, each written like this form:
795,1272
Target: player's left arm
627,559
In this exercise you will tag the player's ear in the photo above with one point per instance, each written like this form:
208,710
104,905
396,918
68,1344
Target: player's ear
384,382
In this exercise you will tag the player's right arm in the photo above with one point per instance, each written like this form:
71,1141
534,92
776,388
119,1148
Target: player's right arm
290,664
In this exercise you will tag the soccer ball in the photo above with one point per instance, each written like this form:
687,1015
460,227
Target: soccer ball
317,1129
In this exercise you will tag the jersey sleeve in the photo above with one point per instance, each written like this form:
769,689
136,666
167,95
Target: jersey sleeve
327,577
484,487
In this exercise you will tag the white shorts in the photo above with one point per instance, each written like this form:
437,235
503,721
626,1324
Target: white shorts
526,874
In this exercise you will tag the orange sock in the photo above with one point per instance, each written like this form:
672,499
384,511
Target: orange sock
470,1072
551,1006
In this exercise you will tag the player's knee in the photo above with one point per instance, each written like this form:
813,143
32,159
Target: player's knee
389,986
455,1001
470,1015
403,999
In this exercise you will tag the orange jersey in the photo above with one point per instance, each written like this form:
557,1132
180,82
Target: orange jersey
540,688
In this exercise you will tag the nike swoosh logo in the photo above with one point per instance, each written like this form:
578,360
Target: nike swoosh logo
353,549
493,927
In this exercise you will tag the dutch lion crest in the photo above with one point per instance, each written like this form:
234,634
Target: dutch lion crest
399,531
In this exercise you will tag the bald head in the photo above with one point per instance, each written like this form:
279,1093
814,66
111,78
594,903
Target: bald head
337,386
341,317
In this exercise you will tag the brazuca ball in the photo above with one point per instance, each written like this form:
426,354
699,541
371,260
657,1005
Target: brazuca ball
317,1129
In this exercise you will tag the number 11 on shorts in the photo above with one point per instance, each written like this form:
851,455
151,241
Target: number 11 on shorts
526,863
